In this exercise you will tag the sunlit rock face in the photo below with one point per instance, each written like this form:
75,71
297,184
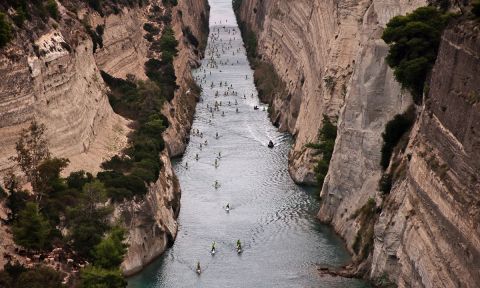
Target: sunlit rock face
53,76
332,60
429,228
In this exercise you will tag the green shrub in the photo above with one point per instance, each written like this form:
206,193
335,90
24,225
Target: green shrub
16,201
5,30
17,276
19,17
31,230
363,242
190,37
121,186
118,163
476,8
93,277
100,29
78,179
3,193
385,183
109,252
325,146
96,5
142,102
394,130
150,28
414,41
96,38
52,9
170,2
87,229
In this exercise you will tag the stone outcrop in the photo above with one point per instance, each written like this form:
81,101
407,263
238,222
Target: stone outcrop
151,221
53,75
194,15
315,47
56,80
428,233
332,60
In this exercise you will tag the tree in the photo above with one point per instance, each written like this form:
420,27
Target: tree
32,150
109,252
49,178
5,30
87,230
88,220
95,277
52,9
31,230
78,179
394,131
16,198
414,41
94,193
40,277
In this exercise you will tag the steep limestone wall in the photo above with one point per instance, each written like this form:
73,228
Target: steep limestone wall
332,60
372,99
430,224
60,85
315,47
151,222
125,49
194,15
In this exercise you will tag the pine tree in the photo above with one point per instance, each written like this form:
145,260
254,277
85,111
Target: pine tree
31,230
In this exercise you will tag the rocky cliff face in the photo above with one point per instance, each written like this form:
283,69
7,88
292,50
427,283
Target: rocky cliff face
315,47
55,79
429,225
152,222
191,15
332,60
54,76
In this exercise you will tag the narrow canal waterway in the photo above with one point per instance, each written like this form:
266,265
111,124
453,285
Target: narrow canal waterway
272,217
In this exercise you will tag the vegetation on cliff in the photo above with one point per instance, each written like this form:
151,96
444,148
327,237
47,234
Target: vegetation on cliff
476,8
414,40
363,242
394,130
77,204
17,276
324,146
5,30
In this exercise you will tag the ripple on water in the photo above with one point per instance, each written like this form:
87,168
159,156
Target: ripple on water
273,217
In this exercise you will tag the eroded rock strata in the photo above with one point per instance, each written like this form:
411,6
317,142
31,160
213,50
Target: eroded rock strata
53,75
331,58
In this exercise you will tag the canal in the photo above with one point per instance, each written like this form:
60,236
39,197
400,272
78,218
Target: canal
273,218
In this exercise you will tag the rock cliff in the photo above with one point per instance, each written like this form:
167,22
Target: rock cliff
330,56
429,225
53,75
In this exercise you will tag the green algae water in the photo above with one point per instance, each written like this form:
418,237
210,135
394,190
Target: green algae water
274,219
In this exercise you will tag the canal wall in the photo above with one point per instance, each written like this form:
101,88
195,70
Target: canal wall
331,59
52,74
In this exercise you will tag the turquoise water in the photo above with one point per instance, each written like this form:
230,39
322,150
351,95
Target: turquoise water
274,218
